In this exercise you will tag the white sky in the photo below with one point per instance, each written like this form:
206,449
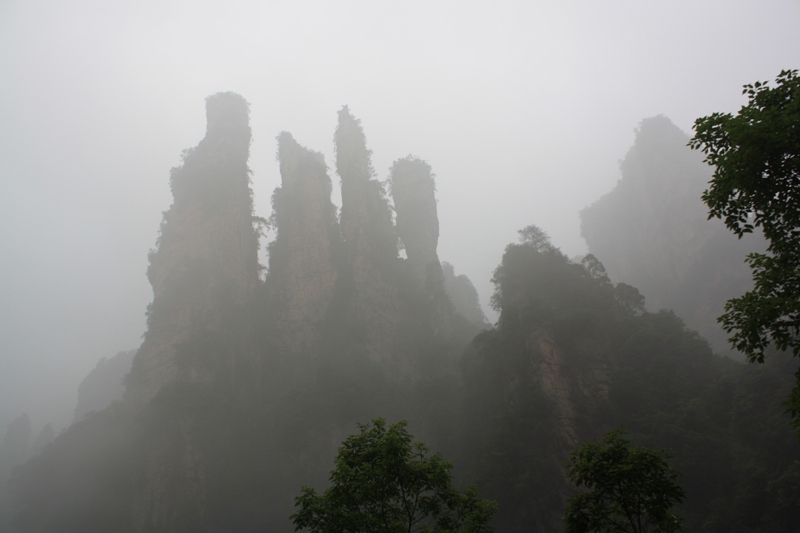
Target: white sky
523,109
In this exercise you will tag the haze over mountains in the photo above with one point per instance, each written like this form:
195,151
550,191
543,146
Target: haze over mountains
651,232
572,117
243,386
521,110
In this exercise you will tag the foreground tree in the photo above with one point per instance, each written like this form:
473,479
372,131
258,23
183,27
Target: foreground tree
384,483
627,489
756,184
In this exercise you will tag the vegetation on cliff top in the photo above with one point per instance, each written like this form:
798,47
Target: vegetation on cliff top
572,357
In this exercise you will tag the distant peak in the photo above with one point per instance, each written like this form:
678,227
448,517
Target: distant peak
658,128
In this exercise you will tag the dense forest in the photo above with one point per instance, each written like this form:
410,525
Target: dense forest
247,382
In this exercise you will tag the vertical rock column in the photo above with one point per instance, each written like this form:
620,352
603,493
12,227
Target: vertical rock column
413,190
370,242
366,216
204,272
303,258
205,264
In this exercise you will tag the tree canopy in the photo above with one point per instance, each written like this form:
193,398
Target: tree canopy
628,489
385,483
756,184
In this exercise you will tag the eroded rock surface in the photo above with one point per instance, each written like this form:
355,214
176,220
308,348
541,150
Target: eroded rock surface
371,257
306,255
205,263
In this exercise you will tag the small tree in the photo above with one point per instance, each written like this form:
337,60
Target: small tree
384,483
627,489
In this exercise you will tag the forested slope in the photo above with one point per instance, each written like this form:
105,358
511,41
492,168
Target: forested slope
574,355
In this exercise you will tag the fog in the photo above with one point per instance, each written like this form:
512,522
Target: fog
522,109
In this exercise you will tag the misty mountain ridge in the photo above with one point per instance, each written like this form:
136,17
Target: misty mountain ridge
653,232
243,387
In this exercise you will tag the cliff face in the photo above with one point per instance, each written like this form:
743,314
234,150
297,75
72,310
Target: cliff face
366,217
371,258
205,262
390,304
652,232
536,380
204,272
305,257
413,191
529,285
562,383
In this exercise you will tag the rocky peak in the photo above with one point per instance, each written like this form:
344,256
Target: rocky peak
303,258
366,216
352,156
205,262
370,259
413,190
463,294
652,231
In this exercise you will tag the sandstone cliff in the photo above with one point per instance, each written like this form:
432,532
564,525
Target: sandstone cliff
306,256
371,257
205,262
413,191
204,272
